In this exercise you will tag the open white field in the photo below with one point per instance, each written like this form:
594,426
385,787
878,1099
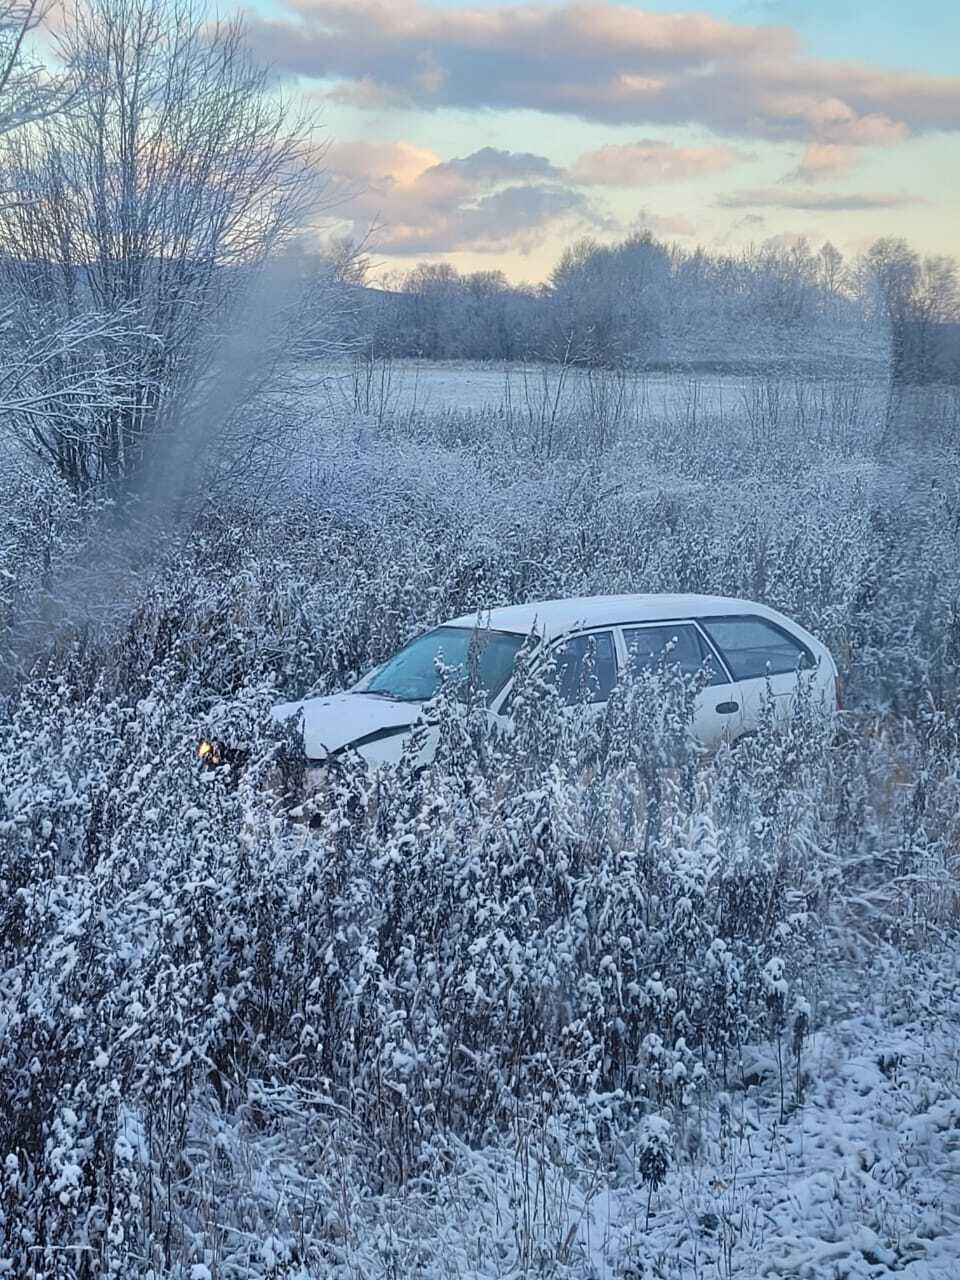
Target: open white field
425,387
441,386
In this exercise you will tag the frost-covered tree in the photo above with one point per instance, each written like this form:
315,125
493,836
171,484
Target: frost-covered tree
918,300
169,197
28,91
46,371
609,301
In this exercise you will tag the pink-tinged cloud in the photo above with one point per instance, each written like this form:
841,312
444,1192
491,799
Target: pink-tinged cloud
604,62
645,163
379,163
822,161
485,201
820,202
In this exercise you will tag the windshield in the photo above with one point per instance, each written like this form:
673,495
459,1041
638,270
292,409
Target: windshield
412,676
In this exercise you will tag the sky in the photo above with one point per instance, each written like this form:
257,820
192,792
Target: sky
492,135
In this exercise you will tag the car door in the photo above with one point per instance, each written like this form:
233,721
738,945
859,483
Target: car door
583,664
762,656
586,668
717,709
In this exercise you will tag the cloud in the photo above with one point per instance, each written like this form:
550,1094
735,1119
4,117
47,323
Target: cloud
661,224
605,62
517,218
484,201
785,241
824,160
821,202
644,163
490,165
364,93
382,164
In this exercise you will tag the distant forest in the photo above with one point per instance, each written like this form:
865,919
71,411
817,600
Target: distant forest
653,305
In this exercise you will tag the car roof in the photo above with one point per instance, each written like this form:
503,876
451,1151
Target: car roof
552,618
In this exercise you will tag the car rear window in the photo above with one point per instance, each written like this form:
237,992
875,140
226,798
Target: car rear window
753,647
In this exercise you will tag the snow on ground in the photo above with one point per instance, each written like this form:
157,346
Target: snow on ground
860,1181
437,386
862,1178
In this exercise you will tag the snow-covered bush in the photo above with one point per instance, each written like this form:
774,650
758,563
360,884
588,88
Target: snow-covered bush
223,1034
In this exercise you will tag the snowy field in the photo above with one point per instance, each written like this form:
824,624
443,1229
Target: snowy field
441,386
550,1009
406,386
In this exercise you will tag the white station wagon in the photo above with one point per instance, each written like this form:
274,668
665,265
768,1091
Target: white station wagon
747,649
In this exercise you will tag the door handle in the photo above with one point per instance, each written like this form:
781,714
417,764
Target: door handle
727,708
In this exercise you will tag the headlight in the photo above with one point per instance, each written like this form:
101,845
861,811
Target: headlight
211,752
214,754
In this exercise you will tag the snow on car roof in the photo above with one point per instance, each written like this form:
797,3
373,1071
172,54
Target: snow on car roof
555,617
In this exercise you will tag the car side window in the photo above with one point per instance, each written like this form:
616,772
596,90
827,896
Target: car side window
753,647
671,644
586,667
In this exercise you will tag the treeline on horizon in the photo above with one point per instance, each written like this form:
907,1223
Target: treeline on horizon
650,304
168,312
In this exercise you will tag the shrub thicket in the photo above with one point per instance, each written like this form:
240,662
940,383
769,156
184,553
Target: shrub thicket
218,1029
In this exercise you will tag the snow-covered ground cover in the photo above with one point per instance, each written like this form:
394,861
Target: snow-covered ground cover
553,1008
435,386
850,1171
388,387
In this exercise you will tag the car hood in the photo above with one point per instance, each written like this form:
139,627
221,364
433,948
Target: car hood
347,720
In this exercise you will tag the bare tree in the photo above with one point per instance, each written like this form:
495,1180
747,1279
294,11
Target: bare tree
53,368
172,195
918,297
893,268
830,268
28,91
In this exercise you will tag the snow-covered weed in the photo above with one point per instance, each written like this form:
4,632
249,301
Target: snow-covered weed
516,1011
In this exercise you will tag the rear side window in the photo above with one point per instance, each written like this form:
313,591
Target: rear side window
586,668
754,647
670,644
